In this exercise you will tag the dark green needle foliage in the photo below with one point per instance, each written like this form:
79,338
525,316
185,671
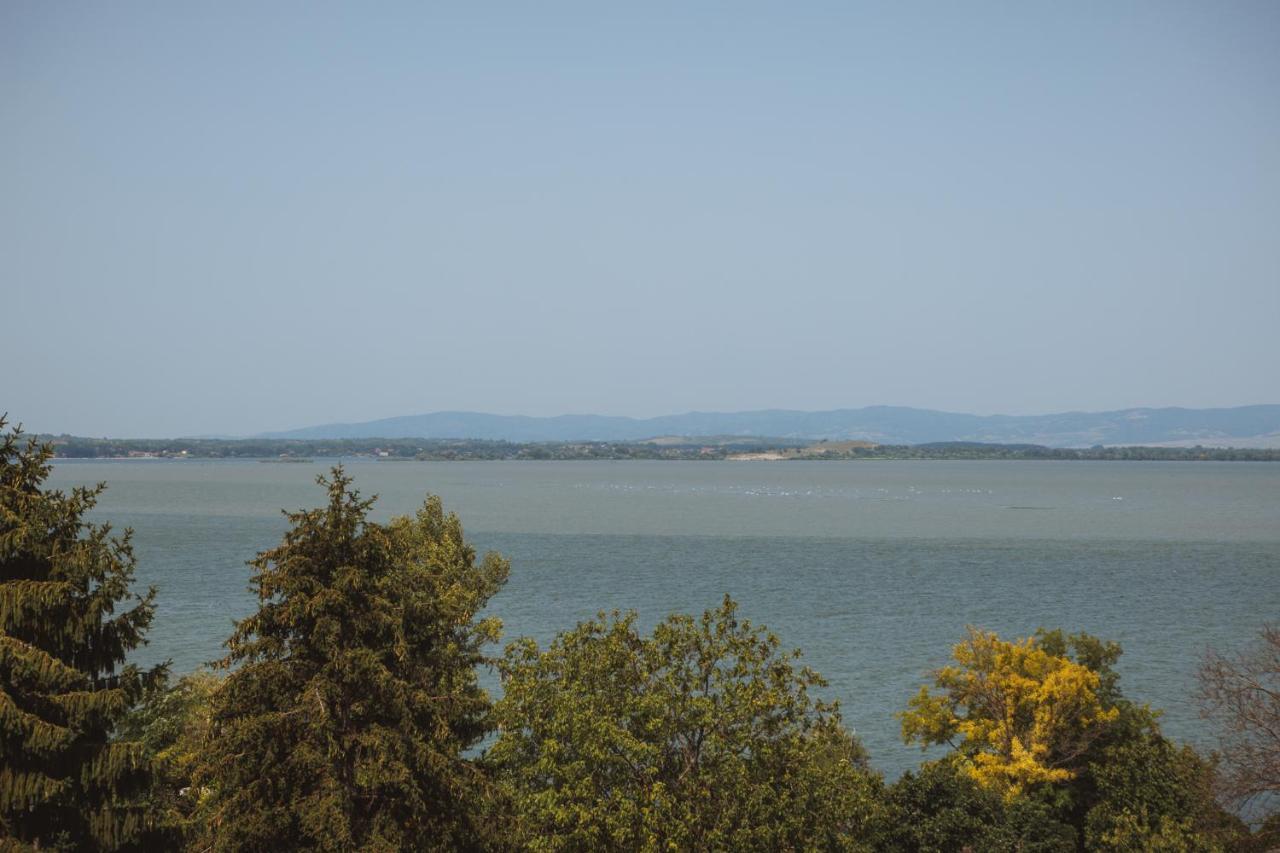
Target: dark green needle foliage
67,622
353,690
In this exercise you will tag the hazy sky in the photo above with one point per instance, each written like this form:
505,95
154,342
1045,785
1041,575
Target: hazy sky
227,218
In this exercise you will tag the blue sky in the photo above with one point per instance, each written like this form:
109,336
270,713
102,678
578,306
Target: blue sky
237,217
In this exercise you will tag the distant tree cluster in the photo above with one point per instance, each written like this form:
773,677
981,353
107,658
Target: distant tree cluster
966,450
348,715
392,449
458,449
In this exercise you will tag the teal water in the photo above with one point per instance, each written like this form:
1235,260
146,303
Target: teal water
872,568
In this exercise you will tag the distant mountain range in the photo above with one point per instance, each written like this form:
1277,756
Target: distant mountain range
1244,426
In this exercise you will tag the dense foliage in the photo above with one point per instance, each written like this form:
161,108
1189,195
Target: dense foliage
63,686
354,693
1042,723
1017,714
943,808
173,727
701,736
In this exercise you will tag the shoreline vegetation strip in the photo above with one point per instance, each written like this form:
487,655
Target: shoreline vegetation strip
731,449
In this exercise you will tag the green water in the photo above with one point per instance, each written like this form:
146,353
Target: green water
873,568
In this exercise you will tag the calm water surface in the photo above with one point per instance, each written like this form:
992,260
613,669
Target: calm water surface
872,568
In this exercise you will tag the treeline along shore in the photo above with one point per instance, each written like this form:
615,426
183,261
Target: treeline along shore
347,714
716,448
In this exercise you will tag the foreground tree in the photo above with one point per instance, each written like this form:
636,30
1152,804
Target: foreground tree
63,686
173,725
1042,722
942,808
700,736
1017,713
355,696
1242,693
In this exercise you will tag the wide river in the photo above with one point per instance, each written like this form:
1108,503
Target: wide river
872,568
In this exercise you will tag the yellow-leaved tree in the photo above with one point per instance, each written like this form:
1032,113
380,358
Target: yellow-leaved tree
1017,713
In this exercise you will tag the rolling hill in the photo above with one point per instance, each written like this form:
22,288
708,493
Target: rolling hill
1252,426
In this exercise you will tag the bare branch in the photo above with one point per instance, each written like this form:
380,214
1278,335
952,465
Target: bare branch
1241,692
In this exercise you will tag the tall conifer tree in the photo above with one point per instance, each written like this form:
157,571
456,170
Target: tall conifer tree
63,784
353,695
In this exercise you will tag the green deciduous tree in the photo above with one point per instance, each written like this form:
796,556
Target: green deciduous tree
942,808
1144,793
63,685
700,736
344,725
1138,790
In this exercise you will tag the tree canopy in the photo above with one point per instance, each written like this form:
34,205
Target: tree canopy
1018,714
354,694
172,725
1042,723
942,808
67,622
702,735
